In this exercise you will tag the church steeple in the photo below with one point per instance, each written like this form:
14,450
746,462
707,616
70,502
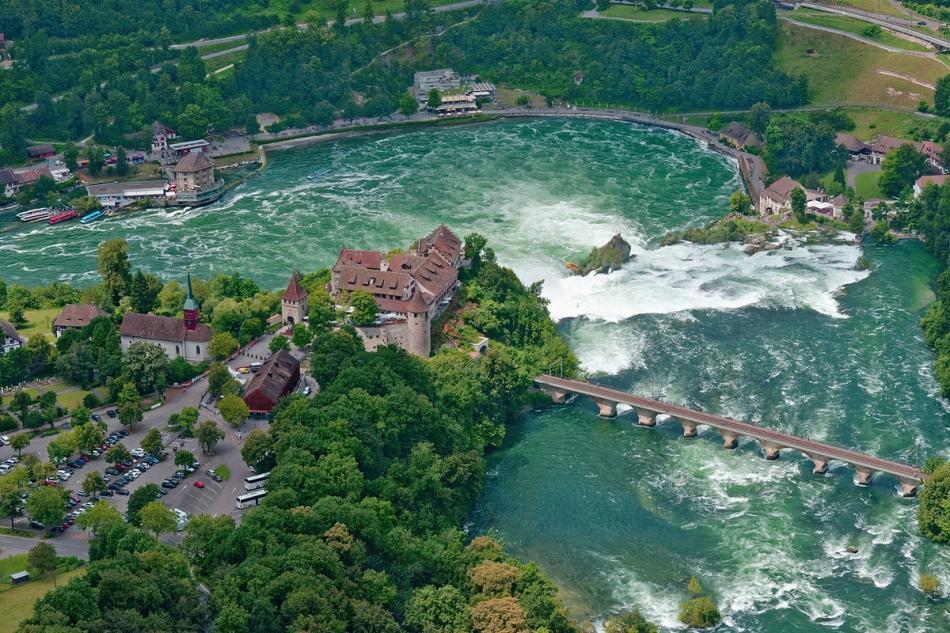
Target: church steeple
190,308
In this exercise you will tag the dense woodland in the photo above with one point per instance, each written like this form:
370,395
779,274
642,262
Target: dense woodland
85,81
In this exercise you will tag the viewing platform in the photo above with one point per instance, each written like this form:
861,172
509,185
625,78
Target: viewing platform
772,442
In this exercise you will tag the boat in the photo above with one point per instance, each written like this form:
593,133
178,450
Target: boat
319,173
92,217
62,216
34,215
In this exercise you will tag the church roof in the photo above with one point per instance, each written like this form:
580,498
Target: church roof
295,292
162,328
190,303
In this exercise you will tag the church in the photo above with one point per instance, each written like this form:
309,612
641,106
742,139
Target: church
179,338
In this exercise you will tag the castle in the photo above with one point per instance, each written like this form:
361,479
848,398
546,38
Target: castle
411,289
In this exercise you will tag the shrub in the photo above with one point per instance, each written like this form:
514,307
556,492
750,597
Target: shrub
7,423
700,613
929,584
90,401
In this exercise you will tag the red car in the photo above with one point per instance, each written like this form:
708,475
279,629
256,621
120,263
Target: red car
199,484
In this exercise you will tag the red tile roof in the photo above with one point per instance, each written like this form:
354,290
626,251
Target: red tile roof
276,378
295,292
356,257
193,161
78,315
162,328
443,240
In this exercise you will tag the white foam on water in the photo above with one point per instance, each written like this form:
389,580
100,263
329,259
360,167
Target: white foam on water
658,604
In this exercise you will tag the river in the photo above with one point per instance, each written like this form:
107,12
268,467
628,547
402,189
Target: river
795,339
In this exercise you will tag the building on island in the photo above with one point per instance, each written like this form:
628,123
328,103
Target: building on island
411,289
194,181
277,377
179,338
294,305
739,136
76,316
776,199
121,194
10,337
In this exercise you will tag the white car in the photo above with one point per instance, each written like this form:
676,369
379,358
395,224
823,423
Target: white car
4,439
138,452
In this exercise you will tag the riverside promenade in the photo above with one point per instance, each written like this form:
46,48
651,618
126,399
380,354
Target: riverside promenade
772,442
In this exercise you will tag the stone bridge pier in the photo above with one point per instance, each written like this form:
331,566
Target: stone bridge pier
689,428
908,487
820,462
606,408
730,439
863,475
771,451
646,418
558,396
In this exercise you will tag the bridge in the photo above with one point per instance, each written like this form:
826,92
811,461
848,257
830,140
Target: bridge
772,442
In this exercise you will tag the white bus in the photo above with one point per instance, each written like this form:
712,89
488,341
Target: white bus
250,499
254,482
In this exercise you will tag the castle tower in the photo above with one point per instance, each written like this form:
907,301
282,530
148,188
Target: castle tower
190,309
419,338
294,305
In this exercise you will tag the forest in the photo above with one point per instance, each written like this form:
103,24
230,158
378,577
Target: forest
115,84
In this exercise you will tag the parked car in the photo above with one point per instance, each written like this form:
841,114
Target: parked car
199,484
106,493
111,413
36,524
122,491
138,452
111,471
217,477
96,417
169,483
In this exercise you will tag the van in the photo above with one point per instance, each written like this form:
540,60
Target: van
5,439
256,367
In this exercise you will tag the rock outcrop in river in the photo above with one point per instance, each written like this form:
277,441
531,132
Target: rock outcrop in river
608,258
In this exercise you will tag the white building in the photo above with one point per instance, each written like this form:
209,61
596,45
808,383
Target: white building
11,338
185,338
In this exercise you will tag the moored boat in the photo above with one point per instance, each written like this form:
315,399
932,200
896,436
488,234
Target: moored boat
34,215
63,216
92,217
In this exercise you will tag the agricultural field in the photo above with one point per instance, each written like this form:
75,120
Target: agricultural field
843,71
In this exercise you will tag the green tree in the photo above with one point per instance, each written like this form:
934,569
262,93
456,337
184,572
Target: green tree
185,420
121,162
408,104
434,100
436,609
739,203
130,405
900,168
144,290
138,500
208,434
220,381
300,335
856,219
798,205
118,454
933,511
47,505
629,622
89,436
322,312
10,504
147,366
699,613
184,458
21,403
93,483
114,268
20,441
157,518
96,158
759,116
43,559
257,450
71,156
279,342
80,416
234,410
152,442
929,584
694,588
942,96
364,308
99,518
222,345
62,446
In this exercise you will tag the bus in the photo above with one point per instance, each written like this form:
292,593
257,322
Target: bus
253,482
250,499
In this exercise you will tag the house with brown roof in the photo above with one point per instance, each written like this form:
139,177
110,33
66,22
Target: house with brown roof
294,304
925,181
179,338
739,136
933,152
856,148
76,316
10,338
776,199
277,377
43,150
882,145
194,180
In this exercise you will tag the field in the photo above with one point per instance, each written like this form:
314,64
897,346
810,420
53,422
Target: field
855,26
38,322
16,603
841,70
872,6
865,185
68,396
870,123
628,12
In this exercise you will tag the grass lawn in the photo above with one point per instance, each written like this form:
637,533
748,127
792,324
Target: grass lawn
865,185
215,63
11,565
222,472
870,123
38,322
223,46
628,12
855,26
841,70
16,603
68,396
872,6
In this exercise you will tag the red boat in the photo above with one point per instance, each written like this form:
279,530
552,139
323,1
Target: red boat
62,217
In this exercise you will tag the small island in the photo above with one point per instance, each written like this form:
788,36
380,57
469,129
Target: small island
606,259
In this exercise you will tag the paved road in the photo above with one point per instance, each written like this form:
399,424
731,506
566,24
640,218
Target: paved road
907,27
10,545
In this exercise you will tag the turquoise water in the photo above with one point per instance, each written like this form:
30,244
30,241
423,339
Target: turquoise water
794,339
